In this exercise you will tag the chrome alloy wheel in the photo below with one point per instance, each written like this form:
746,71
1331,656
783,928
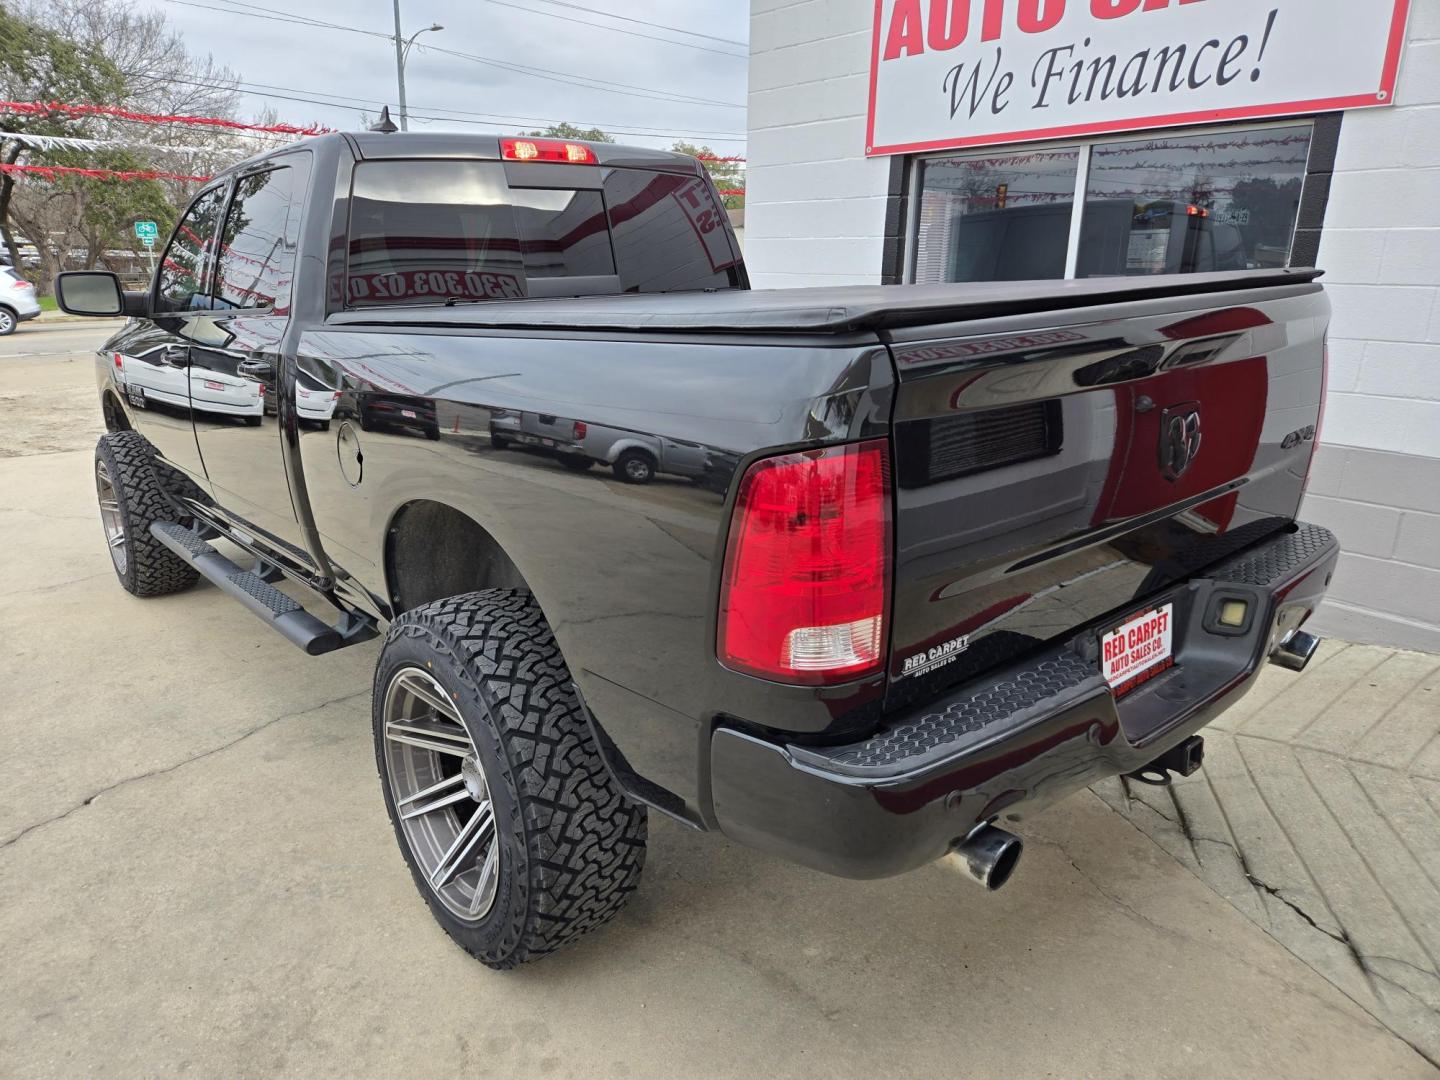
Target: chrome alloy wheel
110,517
441,795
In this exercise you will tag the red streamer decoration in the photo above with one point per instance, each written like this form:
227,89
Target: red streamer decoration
716,157
50,108
52,172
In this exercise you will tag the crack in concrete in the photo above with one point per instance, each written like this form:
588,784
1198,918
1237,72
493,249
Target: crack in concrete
1340,935
27,830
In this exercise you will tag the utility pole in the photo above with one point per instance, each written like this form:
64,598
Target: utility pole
400,67
402,53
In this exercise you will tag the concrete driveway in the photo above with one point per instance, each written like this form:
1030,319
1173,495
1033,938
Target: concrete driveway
197,876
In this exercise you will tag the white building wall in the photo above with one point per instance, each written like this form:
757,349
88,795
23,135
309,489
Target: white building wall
814,205
1376,481
815,215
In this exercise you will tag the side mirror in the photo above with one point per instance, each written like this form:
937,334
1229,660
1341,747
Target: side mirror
90,292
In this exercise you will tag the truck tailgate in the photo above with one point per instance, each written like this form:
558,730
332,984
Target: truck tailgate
1054,469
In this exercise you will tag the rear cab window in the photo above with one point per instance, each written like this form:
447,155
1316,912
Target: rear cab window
431,231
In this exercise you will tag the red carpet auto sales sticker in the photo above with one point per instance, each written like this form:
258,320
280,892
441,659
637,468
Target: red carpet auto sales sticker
1138,650
949,73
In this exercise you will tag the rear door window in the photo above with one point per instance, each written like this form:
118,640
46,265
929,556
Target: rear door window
256,261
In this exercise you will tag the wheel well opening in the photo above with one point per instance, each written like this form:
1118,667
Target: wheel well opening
433,551
115,418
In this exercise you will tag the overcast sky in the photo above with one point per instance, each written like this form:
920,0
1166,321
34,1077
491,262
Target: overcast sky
274,45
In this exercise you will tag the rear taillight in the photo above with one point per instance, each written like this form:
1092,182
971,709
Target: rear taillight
119,362
807,567
21,283
580,429
567,153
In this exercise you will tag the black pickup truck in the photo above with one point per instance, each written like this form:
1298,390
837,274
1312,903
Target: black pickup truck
960,550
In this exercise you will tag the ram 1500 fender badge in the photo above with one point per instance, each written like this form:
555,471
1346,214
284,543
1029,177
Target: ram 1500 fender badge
1179,438
1295,438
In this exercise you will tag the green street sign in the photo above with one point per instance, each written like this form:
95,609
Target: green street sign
147,231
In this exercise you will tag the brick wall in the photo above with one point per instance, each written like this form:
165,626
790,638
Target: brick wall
1377,476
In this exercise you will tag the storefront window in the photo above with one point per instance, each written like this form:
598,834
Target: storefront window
1192,204
1158,204
1002,217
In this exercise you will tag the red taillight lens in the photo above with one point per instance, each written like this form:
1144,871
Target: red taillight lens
807,567
119,362
580,429
567,153
21,283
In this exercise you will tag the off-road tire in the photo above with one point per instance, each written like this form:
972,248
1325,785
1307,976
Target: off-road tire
151,569
627,467
572,844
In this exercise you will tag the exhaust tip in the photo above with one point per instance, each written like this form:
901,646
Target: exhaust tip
988,856
1296,650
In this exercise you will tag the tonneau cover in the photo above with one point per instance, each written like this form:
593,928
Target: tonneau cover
830,309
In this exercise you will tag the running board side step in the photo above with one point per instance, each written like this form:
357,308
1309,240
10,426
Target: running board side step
273,607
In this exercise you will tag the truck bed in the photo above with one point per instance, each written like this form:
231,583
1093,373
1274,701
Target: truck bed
826,310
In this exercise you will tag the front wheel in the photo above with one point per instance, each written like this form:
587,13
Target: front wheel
130,501
513,829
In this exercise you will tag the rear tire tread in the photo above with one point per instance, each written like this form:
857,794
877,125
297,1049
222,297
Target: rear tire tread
585,839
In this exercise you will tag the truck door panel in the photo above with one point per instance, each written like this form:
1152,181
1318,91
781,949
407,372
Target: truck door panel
236,350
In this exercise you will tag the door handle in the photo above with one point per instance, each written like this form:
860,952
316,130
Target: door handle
255,369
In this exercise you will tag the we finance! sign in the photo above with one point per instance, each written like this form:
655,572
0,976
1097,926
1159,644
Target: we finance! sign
950,73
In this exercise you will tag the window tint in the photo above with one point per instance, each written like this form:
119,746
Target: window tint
997,217
183,264
563,233
669,233
262,230
425,231
1191,204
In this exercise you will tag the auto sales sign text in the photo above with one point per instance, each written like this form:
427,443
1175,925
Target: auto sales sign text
948,73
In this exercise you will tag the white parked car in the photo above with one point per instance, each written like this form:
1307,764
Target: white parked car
147,379
313,401
17,300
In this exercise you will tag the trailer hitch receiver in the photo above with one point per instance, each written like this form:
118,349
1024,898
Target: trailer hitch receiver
1184,758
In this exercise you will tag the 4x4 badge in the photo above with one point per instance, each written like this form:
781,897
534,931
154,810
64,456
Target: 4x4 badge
1179,438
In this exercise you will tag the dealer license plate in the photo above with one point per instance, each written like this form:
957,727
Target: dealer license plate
1139,649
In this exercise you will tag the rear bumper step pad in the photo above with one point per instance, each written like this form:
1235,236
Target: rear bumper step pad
282,613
